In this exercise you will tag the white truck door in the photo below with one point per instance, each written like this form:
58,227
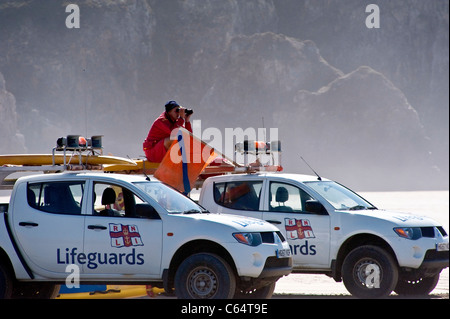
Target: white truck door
48,225
307,233
116,241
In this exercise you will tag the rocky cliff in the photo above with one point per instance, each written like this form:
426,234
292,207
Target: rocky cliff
352,100
10,138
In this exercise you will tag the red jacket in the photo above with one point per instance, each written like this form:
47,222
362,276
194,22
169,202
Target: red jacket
161,128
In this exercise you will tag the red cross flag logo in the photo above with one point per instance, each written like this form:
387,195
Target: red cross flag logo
298,228
124,235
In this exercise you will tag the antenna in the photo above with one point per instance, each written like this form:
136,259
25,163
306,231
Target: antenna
318,177
143,167
264,128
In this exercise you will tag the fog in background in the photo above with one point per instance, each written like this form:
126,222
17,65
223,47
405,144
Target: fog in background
368,107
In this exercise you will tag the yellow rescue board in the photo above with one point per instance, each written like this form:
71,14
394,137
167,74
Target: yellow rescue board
137,166
116,292
47,159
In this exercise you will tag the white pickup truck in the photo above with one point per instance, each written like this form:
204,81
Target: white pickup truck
334,231
127,229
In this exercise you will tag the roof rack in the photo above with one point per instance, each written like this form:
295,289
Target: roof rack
75,148
77,151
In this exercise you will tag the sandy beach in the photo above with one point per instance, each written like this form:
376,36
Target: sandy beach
320,286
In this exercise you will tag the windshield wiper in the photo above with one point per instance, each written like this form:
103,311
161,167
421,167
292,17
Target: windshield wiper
358,207
192,211
361,207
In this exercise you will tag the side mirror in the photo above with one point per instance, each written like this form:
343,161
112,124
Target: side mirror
146,211
315,207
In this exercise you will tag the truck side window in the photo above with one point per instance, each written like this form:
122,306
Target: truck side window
239,195
287,198
56,197
114,201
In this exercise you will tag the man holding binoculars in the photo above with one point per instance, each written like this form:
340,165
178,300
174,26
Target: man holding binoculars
158,140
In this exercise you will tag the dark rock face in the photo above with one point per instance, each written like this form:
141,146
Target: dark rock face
259,74
11,140
363,125
362,105
410,48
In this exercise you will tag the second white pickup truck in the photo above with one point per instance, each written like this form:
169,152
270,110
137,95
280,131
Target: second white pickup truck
334,231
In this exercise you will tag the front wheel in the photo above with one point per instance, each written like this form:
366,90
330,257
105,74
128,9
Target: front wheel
204,276
369,272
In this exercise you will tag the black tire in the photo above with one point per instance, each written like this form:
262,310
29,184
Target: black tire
24,290
6,282
204,276
420,286
369,272
265,292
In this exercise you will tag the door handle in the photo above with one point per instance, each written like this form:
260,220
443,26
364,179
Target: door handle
274,222
28,224
100,227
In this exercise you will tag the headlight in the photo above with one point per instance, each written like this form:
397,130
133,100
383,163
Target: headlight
412,233
251,239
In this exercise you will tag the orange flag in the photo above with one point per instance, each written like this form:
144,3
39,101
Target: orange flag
185,160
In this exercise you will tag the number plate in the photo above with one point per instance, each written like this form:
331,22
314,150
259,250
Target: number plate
442,247
283,253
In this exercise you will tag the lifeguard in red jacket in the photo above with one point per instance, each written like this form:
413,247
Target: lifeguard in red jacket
158,140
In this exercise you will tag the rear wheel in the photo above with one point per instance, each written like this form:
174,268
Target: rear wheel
6,282
204,276
35,291
369,272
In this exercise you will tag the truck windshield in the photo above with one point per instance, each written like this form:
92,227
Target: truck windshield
170,199
339,196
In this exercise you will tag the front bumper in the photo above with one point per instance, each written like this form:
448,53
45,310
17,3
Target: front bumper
435,260
432,264
276,267
261,261
421,253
